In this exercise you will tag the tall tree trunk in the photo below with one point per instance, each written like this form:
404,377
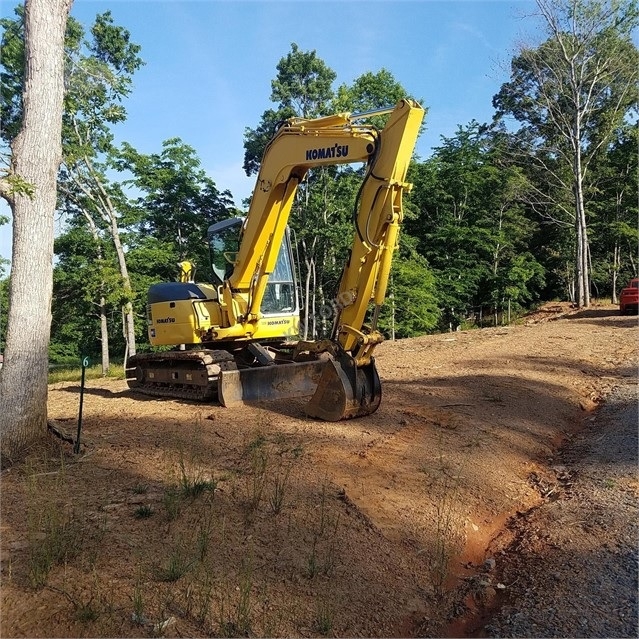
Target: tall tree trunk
104,327
36,155
104,337
579,263
107,211
127,308
583,250
615,270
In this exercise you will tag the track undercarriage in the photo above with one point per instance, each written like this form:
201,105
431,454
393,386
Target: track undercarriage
189,375
337,388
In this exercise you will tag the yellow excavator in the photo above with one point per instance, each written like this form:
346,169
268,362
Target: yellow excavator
236,339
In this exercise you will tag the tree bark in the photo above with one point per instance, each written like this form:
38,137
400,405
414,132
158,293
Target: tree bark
36,156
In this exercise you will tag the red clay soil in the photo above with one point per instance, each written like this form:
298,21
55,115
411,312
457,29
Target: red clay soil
184,519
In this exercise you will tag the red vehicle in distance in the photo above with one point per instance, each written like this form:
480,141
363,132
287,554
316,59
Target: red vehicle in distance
629,297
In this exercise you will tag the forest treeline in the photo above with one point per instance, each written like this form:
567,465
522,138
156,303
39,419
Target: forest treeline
540,203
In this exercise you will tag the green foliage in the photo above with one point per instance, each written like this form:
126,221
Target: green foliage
301,88
71,371
371,91
472,225
303,83
18,186
79,281
11,74
411,307
178,203
614,210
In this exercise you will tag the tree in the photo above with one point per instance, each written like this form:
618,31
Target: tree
614,203
472,226
411,308
571,93
303,88
98,75
36,152
322,212
87,293
178,203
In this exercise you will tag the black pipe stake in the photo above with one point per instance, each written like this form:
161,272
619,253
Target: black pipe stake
85,363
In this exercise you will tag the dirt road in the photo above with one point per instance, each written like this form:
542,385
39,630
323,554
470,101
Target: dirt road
571,563
191,520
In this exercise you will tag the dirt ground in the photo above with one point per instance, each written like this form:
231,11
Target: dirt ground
183,519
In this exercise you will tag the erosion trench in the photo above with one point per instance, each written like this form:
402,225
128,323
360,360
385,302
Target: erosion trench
184,519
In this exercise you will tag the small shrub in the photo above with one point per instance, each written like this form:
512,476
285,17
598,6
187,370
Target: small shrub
143,512
279,488
176,566
324,617
171,501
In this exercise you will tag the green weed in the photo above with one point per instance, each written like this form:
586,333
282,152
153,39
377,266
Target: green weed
143,512
279,487
324,616
74,374
172,503
175,567
258,459
55,532
444,481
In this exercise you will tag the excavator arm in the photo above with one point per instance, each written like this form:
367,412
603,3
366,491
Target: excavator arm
349,385
300,145
377,220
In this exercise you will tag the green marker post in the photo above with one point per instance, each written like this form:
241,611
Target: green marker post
85,363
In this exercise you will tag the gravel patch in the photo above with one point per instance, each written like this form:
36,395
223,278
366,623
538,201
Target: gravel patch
571,568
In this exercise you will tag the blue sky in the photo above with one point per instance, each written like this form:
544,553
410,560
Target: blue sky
209,64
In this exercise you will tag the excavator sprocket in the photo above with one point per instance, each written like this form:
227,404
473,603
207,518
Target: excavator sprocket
189,375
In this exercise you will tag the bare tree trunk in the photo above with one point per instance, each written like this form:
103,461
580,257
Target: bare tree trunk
616,253
309,284
104,327
104,338
570,284
107,211
307,299
36,156
579,262
615,270
127,308
583,249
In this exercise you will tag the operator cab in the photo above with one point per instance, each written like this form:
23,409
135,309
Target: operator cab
280,295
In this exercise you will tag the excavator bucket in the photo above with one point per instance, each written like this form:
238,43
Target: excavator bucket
345,390
279,381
